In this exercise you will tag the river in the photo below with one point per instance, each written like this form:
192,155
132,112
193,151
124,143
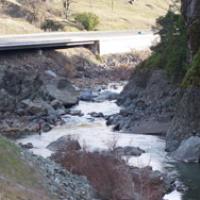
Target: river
93,134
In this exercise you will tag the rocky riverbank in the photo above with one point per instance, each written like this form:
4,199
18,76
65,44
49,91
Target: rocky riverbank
163,95
109,174
153,105
31,100
148,104
34,95
62,183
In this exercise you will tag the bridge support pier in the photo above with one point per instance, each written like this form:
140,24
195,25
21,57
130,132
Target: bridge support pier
94,48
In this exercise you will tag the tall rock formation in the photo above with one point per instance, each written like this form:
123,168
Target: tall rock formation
187,118
191,12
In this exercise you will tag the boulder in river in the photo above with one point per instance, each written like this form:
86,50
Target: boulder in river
107,95
65,143
76,113
129,151
96,115
188,151
87,95
26,146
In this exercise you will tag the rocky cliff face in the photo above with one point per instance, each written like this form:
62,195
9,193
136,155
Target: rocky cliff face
148,102
154,105
191,13
187,119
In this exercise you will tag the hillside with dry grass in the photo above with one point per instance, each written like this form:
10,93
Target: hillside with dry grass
16,16
18,179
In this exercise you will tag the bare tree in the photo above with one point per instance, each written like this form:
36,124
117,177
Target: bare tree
67,7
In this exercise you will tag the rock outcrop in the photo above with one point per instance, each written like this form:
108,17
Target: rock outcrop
187,118
189,150
154,105
27,95
148,107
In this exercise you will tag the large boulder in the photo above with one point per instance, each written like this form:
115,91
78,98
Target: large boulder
65,143
63,91
37,107
188,151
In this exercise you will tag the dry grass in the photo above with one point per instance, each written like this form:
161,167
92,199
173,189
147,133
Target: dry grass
16,26
141,15
18,180
109,176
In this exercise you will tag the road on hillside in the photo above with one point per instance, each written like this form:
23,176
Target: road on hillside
60,39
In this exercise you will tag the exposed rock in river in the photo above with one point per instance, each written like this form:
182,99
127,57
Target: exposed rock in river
148,101
128,151
65,143
189,150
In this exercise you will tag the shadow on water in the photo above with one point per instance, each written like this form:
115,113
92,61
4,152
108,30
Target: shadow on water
190,175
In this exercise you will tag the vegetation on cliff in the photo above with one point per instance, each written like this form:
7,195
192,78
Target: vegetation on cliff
192,77
171,53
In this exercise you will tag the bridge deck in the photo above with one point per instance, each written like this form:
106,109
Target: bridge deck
57,39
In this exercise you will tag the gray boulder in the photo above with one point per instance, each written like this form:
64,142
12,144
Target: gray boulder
75,113
188,151
37,106
26,146
87,95
96,115
65,143
63,91
129,151
107,95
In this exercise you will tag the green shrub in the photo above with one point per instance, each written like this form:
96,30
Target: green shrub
50,25
88,20
171,53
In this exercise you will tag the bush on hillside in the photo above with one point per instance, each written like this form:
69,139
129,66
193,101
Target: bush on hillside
110,177
171,53
51,25
88,20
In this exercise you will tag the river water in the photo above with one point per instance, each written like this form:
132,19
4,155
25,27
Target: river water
93,134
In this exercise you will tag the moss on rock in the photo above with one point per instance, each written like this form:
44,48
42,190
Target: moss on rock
192,77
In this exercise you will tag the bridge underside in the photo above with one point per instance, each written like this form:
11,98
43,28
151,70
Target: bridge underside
91,45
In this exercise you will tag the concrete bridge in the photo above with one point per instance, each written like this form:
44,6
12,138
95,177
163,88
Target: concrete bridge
99,42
